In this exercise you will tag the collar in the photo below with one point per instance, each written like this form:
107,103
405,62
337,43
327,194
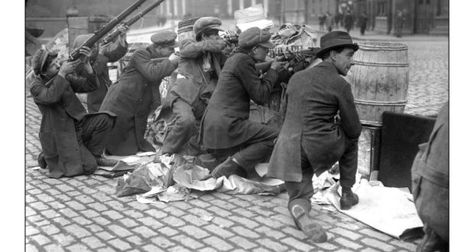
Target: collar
329,66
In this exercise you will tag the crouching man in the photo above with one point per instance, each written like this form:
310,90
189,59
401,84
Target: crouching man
72,141
226,129
311,139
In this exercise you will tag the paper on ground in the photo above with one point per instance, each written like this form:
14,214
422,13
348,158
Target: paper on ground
386,209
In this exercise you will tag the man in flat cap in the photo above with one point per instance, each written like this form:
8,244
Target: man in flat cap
72,141
199,68
313,137
226,129
136,94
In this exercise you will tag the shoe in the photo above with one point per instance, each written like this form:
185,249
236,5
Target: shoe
309,226
41,161
101,161
227,168
348,200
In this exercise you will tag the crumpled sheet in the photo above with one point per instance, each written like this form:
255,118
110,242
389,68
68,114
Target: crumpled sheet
387,209
175,178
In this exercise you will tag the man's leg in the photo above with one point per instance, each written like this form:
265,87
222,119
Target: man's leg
183,129
247,155
348,170
299,203
94,132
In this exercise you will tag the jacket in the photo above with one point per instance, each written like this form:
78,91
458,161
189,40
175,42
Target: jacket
226,121
315,97
111,53
194,85
132,100
61,110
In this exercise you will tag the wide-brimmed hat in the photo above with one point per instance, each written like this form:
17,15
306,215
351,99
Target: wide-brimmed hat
335,39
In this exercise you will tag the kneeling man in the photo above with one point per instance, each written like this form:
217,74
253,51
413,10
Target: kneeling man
313,137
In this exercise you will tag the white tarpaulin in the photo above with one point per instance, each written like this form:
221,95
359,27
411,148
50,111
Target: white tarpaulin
387,209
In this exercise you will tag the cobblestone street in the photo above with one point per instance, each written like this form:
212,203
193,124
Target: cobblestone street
83,213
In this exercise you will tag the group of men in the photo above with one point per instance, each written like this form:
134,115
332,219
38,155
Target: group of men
211,101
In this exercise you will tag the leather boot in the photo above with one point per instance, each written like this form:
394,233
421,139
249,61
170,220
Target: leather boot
41,161
348,199
309,226
432,242
227,168
101,161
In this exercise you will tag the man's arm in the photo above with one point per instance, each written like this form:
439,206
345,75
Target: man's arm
49,93
192,49
152,70
349,118
258,89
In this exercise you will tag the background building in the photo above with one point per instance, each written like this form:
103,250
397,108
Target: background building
422,16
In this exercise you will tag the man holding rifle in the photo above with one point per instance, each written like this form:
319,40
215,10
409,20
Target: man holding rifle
136,94
72,141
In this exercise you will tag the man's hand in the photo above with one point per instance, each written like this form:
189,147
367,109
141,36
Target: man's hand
123,28
277,65
174,58
87,52
68,67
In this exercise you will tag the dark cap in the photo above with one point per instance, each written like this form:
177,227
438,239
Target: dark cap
255,36
164,38
335,39
206,23
40,58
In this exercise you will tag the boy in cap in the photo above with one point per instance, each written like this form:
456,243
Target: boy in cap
312,139
136,94
72,141
199,69
226,129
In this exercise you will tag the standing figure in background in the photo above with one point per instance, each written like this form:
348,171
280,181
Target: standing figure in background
226,129
72,140
110,52
199,68
399,21
363,22
430,185
348,21
321,127
338,19
329,21
137,93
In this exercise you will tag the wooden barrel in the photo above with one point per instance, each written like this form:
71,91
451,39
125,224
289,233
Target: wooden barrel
379,79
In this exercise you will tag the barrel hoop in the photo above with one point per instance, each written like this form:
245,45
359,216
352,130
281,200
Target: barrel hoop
381,64
365,48
381,103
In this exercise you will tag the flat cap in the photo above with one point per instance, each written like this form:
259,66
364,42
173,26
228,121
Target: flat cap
206,23
39,59
164,38
255,36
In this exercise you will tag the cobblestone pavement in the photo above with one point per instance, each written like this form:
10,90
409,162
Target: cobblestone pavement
82,213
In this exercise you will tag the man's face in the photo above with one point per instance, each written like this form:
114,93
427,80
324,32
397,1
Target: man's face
166,51
343,60
260,53
211,35
53,68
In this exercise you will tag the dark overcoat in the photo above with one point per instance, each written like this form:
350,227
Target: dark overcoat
226,121
63,150
197,85
111,53
132,99
315,96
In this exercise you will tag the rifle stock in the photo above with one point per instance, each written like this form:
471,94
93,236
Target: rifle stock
105,29
132,20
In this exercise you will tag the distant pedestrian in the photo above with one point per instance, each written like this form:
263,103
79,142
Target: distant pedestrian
399,21
348,21
430,185
337,19
322,21
329,21
363,22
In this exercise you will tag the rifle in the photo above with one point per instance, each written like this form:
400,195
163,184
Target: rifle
131,21
105,29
